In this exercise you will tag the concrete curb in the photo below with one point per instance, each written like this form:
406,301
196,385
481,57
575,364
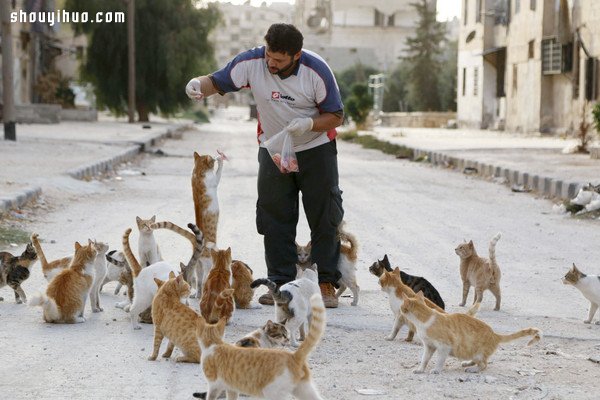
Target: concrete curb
547,186
87,171
19,199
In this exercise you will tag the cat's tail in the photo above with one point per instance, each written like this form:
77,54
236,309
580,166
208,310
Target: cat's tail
198,244
315,332
51,312
471,312
278,296
114,261
350,238
535,334
493,247
38,249
131,260
175,228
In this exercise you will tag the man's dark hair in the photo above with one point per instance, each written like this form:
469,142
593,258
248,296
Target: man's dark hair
284,38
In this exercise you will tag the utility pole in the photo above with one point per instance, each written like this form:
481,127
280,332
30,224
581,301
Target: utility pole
8,112
131,58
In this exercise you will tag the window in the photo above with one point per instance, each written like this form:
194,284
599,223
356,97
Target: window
531,49
391,20
379,18
478,11
475,81
551,56
514,76
234,22
465,11
532,5
517,6
464,81
591,78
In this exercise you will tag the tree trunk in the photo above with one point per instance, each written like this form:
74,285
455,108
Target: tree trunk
142,110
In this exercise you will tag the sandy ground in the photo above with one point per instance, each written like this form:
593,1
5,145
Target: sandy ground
415,214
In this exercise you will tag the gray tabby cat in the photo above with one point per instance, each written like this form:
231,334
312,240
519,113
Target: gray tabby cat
15,270
271,335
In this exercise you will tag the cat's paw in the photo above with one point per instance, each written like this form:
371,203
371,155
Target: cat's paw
497,308
19,301
597,322
127,308
96,310
587,321
137,327
472,370
435,371
465,364
152,358
389,338
462,304
418,371
79,320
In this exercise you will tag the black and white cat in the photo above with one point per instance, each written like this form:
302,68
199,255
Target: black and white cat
416,283
292,300
588,285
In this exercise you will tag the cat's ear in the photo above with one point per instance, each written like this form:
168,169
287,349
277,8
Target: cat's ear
138,220
471,243
420,297
182,267
575,268
228,252
77,246
159,283
213,253
196,156
385,259
309,243
269,324
171,275
404,296
153,219
179,278
314,267
397,271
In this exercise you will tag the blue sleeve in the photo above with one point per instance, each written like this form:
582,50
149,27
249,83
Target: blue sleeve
235,74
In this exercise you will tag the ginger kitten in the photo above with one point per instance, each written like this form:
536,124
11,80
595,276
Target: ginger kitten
241,281
218,280
265,373
49,269
392,284
66,294
174,320
205,182
479,272
459,335
588,285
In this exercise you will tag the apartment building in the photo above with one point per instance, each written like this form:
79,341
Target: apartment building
527,65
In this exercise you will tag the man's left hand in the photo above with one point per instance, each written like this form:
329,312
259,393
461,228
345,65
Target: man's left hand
300,126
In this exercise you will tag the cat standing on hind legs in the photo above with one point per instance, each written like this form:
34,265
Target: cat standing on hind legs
479,272
100,270
588,285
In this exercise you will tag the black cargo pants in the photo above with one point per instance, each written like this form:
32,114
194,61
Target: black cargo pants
277,212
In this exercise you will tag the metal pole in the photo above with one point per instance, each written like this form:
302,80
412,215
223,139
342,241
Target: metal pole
131,58
10,132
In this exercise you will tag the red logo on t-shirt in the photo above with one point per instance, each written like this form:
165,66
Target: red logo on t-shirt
275,95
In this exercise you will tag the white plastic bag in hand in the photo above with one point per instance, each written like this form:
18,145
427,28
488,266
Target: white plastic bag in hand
281,150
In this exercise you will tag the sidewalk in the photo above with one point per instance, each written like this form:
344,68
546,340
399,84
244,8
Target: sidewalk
533,161
47,156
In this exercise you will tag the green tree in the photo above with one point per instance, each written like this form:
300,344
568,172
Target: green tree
424,52
358,73
447,82
359,103
171,46
396,89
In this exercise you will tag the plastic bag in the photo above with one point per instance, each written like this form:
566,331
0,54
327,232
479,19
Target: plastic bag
281,150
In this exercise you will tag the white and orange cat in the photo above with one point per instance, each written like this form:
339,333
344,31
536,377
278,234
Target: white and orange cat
458,335
589,286
147,247
52,268
144,287
214,304
346,263
100,271
205,182
479,272
272,374
174,320
65,298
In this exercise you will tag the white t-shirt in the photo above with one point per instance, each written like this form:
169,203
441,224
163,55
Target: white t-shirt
309,91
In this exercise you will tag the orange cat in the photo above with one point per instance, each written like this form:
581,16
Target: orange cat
218,280
174,320
458,335
66,294
479,272
264,373
242,278
391,284
49,269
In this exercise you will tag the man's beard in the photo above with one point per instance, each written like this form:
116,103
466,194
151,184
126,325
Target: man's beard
284,70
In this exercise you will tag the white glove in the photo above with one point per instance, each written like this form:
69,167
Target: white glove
194,90
300,126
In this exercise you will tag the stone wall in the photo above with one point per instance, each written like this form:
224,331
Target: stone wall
417,119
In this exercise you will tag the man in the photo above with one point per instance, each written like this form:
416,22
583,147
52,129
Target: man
294,89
